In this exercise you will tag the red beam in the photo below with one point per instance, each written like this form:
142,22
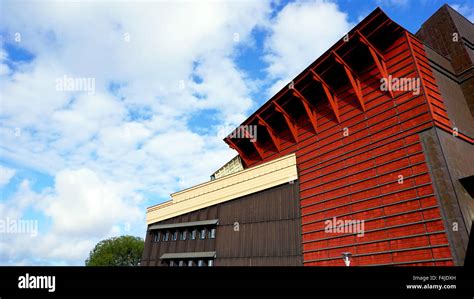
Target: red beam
319,62
271,132
258,149
255,144
234,146
289,121
377,56
310,70
308,108
330,95
355,82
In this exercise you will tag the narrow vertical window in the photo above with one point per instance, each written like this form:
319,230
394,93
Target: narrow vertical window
201,263
212,233
193,234
203,234
210,263
190,263
166,236
175,236
157,236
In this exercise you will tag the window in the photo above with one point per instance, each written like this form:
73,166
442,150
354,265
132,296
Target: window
201,263
175,236
172,263
203,234
193,234
468,184
182,235
181,263
166,236
212,233
156,237
210,263
190,263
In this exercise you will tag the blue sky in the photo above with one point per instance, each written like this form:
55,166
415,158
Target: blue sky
152,85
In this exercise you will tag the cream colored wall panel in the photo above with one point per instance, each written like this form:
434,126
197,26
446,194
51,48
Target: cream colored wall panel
245,182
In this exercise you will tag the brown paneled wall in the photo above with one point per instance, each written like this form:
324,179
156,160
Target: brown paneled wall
452,35
260,229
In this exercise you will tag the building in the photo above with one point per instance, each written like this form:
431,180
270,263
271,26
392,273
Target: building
368,153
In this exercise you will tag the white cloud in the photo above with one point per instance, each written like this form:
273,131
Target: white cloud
393,3
4,68
5,175
300,33
107,149
84,204
82,208
466,10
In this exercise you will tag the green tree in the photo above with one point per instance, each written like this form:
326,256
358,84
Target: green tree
118,251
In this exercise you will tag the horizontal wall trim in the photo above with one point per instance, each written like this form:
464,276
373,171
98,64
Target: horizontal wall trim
370,142
362,200
354,192
366,210
382,228
261,221
366,179
368,149
371,133
357,163
376,241
184,224
379,252
188,255
372,219
411,262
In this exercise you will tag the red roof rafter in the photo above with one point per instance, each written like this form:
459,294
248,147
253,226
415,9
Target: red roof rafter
330,95
258,148
352,75
290,122
372,27
376,56
271,132
308,108
235,147
255,144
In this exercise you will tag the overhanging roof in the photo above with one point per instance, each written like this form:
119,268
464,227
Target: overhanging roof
329,73
188,255
184,224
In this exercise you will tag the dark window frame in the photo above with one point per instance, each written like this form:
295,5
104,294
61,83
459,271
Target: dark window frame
212,233
156,236
166,236
182,235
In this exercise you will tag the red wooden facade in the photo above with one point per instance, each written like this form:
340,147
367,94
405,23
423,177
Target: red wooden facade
354,143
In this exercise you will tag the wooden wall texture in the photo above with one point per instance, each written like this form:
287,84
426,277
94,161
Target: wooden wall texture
269,231
355,177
